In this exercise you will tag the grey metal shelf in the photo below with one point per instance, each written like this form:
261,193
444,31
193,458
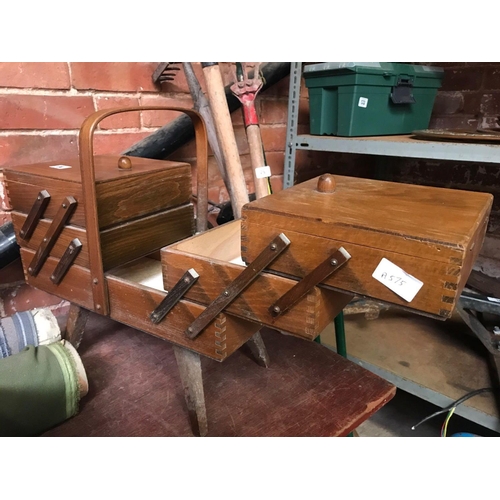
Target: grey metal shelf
403,146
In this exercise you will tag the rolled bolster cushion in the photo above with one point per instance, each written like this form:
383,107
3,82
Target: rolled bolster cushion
40,387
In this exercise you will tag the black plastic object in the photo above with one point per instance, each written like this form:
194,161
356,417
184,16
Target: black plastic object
402,93
9,249
226,211
160,144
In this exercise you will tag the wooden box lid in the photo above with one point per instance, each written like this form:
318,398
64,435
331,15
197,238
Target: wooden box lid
106,168
431,233
148,187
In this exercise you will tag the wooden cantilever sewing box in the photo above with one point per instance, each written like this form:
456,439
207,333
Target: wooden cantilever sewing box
83,223
90,230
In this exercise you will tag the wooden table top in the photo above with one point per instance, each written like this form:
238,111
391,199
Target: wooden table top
135,389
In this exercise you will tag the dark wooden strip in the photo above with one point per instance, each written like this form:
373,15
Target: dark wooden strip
64,213
305,285
174,295
35,214
76,286
130,303
68,234
306,252
249,274
25,188
308,318
66,261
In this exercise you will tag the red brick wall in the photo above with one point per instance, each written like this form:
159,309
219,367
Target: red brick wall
42,106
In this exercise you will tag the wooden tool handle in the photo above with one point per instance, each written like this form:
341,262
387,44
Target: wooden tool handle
225,133
86,148
257,157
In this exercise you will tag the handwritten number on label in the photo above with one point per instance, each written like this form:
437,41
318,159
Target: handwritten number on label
395,279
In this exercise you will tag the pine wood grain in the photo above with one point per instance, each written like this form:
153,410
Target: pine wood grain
125,199
437,296
217,247
106,169
140,237
67,235
23,191
121,243
126,196
431,233
415,220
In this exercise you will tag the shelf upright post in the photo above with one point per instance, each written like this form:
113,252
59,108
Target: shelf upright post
291,126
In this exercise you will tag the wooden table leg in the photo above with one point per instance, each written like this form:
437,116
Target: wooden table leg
75,326
258,350
189,365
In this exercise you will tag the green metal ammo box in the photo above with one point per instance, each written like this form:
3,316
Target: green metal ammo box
361,99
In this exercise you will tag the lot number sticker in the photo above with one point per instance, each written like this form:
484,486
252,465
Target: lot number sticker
397,280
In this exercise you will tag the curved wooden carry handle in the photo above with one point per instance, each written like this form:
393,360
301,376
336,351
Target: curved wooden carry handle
86,148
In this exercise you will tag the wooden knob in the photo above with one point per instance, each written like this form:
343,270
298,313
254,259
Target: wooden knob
124,163
326,183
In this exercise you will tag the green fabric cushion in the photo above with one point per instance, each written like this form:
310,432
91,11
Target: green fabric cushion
38,389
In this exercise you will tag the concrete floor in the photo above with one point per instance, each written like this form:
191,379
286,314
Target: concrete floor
398,416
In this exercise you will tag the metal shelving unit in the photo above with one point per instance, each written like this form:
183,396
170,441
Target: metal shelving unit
399,146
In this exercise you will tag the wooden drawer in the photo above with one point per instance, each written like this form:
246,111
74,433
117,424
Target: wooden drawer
213,255
121,243
136,289
150,186
433,234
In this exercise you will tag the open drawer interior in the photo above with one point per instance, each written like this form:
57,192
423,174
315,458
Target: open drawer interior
222,243
145,271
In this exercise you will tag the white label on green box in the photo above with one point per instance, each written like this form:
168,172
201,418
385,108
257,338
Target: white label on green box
363,102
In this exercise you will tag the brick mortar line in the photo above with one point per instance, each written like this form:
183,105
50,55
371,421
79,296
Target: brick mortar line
36,132
168,95
70,76
71,92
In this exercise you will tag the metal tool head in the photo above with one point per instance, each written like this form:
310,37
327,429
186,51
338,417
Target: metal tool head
244,84
165,72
